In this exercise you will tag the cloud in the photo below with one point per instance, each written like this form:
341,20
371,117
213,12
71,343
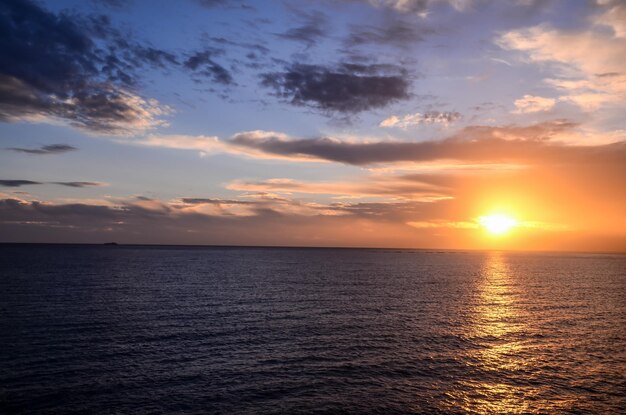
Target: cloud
53,69
615,18
423,8
588,63
212,201
209,4
203,63
591,101
536,143
530,103
17,183
420,7
212,3
265,220
197,209
347,88
430,117
102,109
268,220
113,4
394,188
589,51
314,27
80,184
394,32
472,144
47,149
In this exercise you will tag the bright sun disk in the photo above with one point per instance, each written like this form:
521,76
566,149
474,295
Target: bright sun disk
497,224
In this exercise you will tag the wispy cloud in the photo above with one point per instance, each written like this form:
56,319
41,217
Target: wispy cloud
80,184
530,103
419,7
203,63
393,32
314,27
431,117
389,188
44,150
19,183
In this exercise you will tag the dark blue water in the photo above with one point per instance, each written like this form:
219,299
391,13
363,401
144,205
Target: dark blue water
225,330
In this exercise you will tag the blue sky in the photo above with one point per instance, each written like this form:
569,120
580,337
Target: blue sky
356,122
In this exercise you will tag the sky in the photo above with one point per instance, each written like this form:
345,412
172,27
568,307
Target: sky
365,123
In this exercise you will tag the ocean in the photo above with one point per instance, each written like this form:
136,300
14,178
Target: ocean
212,330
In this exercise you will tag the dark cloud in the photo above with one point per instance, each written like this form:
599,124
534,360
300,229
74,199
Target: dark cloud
476,144
48,149
13,209
347,88
17,183
79,184
203,63
82,70
66,67
313,28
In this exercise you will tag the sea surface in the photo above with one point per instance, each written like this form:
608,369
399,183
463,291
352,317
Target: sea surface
199,330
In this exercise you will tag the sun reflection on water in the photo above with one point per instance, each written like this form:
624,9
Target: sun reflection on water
496,330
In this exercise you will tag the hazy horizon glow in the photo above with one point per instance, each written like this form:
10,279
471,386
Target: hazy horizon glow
471,124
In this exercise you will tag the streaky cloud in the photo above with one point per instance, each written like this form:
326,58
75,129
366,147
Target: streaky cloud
201,201
313,28
17,183
395,33
80,184
44,150
429,117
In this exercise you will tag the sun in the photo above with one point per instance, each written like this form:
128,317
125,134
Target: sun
497,224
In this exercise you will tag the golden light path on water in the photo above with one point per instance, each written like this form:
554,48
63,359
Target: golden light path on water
500,326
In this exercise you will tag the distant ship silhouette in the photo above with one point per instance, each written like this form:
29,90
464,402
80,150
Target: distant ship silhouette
111,243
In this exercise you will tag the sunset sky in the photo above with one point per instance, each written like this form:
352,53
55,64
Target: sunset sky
373,123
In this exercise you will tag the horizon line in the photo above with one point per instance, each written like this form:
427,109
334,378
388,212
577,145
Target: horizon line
113,244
